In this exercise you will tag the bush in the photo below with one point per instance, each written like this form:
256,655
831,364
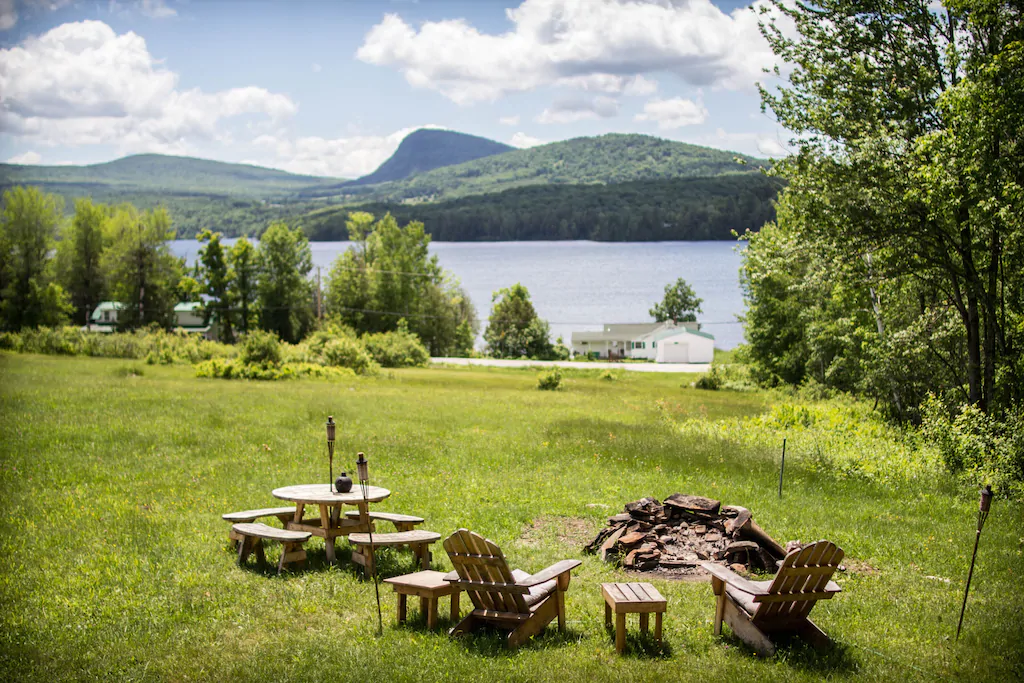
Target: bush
161,346
549,381
607,376
398,349
233,369
347,352
260,348
712,380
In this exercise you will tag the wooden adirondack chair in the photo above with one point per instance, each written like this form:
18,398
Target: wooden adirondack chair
757,609
502,597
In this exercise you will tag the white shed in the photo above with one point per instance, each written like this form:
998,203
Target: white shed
686,346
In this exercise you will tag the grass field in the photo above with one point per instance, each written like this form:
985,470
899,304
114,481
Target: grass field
115,561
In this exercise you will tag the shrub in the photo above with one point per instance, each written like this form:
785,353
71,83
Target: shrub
260,348
233,369
398,349
607,376
347,352
549,381
712,380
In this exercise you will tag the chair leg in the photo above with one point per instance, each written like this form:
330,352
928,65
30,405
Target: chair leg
813,635
657,626
560,597
455,605
620,632
468,623
401,608
244,548
719,613
542,616
607,615
258,547
746,631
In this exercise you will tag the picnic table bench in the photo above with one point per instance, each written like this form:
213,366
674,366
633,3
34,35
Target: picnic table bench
401,522
251,535
245,516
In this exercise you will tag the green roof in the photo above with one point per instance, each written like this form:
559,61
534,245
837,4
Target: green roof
187,307
679,330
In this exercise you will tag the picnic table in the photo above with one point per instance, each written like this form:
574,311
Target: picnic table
330,523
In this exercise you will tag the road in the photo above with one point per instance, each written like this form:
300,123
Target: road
593,365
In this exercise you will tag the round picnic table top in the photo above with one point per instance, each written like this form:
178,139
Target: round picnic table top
321,494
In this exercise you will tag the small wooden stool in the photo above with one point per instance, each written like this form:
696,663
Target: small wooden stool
428,586
626,598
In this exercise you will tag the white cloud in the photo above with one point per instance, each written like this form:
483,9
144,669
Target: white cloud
673,113
156,9
28,158
316,68
8,14
522,140
347,157
572,109
598,45
81,83
509,120
754,144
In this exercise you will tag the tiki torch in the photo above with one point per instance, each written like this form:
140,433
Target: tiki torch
330,451
983,508
363,472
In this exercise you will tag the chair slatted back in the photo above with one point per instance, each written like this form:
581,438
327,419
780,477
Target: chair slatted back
805,572
478,559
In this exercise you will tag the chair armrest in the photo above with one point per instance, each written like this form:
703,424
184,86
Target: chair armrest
733,579
551,572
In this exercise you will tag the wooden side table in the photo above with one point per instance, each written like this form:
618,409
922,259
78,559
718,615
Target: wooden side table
428,586
628,598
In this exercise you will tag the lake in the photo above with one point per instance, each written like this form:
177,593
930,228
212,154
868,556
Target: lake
577,285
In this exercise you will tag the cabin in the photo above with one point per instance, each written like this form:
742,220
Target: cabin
188,317
666,342
104,317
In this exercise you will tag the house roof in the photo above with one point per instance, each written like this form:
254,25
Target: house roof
680,332
106,306
187,307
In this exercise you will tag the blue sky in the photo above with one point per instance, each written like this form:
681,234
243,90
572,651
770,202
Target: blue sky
330,87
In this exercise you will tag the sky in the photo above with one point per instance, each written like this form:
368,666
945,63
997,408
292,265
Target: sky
330,87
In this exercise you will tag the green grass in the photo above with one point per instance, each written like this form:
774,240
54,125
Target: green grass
116,565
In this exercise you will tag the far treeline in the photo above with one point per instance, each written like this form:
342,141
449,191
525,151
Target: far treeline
649,210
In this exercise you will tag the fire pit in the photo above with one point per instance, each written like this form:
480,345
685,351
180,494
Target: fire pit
674,537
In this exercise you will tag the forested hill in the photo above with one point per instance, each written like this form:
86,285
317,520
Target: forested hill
648,210
158,173
427,149
613,158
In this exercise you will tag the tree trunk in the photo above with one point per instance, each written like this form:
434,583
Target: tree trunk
971,319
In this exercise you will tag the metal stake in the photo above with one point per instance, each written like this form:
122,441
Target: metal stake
363,470
983,508
783,468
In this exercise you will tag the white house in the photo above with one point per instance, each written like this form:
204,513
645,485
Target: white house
188,316
644,341
104,317
685,346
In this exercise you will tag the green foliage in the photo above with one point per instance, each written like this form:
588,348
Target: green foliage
513,328
79,260
285,292
550,380
712,380
142,273
388,275
670,209
28,227
398,349
235,369
680,304
243,293
608,376
162,346
213,268
348,352
260,348
985,450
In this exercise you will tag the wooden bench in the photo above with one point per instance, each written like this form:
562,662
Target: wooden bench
251,536
401,522
284,514
428,586
632,598
419,541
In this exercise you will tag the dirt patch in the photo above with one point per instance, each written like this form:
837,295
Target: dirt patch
853,566
571,532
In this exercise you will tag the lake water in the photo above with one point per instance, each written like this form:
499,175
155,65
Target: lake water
579,285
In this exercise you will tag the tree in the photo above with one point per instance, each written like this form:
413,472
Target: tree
388,274
143,273
513,328
28,295
243,273
680,304
906,192
216,281
80,257
285,292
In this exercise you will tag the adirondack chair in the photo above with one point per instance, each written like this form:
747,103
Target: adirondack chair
757,609
505,598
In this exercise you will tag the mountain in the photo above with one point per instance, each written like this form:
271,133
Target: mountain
606,159
162,174
637,211
427,149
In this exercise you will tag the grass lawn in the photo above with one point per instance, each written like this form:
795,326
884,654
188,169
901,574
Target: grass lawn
116,563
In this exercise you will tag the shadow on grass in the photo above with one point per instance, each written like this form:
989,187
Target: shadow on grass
389,562
489,641
836,659
641,645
